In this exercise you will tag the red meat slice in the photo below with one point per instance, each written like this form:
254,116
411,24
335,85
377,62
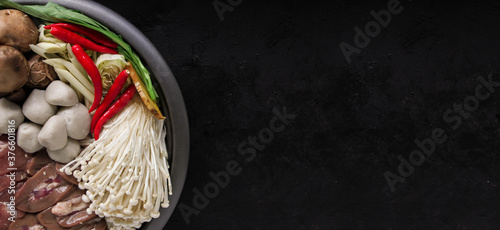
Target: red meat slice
70,204
6,182
37,162
72,212
19,156
28,222
75,219
71,208
48,220
4,216
5,196
69,178
43,190
101,225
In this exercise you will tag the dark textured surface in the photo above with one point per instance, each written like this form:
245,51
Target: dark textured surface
326,169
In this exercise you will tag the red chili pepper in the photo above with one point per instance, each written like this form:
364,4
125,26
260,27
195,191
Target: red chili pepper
87,32
116,107
73,38
93,72
113,92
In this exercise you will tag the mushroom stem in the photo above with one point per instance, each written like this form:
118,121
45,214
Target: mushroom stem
126,170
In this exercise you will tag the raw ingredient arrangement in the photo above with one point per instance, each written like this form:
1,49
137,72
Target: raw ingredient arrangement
82,140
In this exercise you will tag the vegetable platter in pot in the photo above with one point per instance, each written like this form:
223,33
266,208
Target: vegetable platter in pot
86,129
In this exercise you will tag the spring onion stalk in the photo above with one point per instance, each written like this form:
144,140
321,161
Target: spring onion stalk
38,50
57,62
125,171
51,47
64,74
52,12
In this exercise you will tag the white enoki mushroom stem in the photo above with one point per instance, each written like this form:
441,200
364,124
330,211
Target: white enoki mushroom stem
126,172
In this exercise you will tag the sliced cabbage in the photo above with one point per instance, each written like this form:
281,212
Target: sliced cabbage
46,36
110,65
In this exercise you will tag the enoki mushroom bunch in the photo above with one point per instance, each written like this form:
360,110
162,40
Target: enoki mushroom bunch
125,172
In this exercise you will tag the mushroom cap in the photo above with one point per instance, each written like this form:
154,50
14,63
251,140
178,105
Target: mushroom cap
41,74
17,30
14,69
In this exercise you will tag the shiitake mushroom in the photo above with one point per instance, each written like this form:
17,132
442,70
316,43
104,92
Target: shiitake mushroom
41,74
14,69
17,30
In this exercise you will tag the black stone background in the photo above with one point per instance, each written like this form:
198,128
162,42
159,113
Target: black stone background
326,170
